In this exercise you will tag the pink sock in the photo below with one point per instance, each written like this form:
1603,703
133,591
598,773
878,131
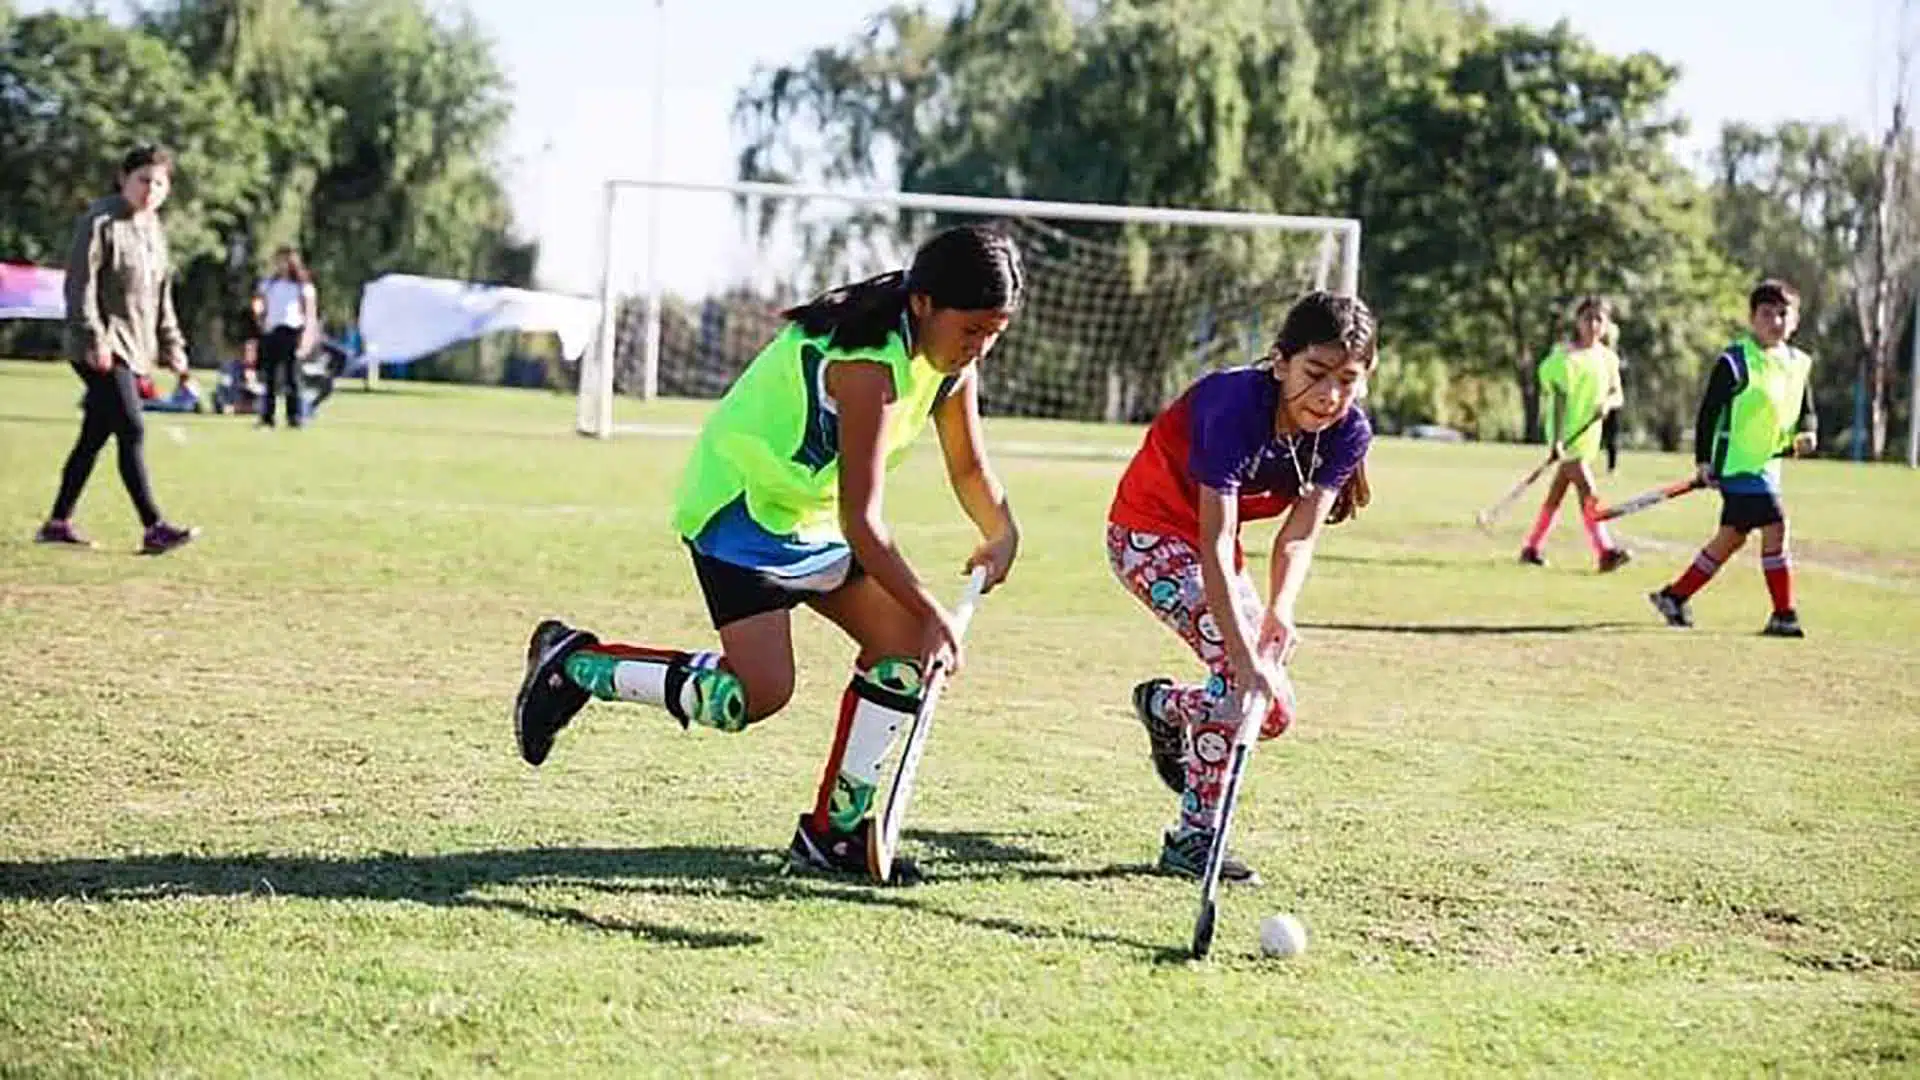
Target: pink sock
1542,525
1596,532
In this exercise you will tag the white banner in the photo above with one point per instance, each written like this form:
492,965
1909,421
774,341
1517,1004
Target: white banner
32,292
404,317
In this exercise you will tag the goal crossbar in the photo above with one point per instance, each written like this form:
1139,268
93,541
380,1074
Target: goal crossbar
598,420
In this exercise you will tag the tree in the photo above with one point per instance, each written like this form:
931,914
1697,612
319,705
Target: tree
1799,201
1195,103
269,51
408,184
75,95
1533,170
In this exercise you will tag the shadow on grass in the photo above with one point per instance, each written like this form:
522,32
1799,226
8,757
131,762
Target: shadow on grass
463,880
1474,629
1420,562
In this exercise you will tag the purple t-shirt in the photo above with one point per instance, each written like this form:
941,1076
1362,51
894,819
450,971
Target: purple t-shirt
1234,447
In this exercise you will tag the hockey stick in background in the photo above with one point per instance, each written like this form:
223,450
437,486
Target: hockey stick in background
1487,517
1647,500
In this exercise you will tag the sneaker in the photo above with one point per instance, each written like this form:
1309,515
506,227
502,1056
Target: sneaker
1671,608
1532,557
161,538
1185,854
548,699
851,854
1163,738
61,532
1614,559
1784,624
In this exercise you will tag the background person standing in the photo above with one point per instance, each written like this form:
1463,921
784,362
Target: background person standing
120,323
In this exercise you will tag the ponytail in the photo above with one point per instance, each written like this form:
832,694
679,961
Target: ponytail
965,268
857,316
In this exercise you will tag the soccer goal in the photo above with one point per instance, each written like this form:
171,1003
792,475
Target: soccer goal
1124,306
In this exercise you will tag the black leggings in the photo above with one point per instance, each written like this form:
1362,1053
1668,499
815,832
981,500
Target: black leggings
1610,438
280,367
111,409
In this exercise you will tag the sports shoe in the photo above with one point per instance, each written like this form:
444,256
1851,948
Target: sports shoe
1163,737
1532,557
1614,559
1671,608
1784,624
61,532
1185,854
547,698
161,538
853,854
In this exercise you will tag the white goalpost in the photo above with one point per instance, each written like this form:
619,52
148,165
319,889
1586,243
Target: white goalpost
1125,304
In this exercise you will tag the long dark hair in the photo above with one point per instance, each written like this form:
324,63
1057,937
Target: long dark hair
967,268
296,268
1326,318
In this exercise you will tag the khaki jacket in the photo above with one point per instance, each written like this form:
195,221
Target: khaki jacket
120,289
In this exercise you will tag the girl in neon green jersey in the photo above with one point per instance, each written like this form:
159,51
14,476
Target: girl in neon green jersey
780,505
1579,386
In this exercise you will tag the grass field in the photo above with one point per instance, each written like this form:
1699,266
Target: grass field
260,812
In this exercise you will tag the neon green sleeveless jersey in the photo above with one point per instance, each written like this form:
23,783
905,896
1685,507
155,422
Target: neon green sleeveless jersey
1586,380
775,437
1760,421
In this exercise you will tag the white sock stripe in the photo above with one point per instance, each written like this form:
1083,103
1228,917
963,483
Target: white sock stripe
1782,561
1704,563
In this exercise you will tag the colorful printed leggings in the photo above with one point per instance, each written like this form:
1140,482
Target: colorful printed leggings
1164,573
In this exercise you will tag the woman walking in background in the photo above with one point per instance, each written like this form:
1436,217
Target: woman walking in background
290,324
120,322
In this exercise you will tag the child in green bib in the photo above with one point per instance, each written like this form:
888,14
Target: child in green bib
1758,406
1579,386
780,505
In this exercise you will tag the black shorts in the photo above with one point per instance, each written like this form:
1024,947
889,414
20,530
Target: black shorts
1747,512
736,592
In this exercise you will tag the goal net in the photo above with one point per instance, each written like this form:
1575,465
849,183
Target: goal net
1124,305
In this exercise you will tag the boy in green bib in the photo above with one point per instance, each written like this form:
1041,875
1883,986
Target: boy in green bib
1758,405
1579,385
780,505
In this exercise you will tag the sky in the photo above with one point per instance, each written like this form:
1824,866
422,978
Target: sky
584,77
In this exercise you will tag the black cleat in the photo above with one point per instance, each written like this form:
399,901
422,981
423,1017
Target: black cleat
1163,738
161,538
1784,624
547,698
1532,557
1186,855
1614,559
848,854
1671,608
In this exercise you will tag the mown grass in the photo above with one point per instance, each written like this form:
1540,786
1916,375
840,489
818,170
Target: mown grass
261,813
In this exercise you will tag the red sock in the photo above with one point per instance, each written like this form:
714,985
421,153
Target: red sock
1779,571
1542,525
1695,577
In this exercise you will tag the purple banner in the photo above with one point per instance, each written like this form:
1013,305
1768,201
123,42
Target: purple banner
32,292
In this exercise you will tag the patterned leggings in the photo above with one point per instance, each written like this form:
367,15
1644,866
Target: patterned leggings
1164,573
